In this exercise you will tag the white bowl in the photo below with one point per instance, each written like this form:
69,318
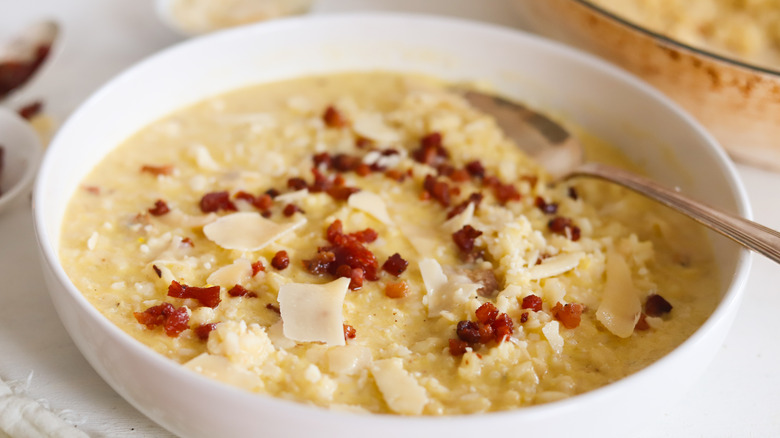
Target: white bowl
23,153
603,99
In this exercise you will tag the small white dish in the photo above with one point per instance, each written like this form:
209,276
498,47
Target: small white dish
22,156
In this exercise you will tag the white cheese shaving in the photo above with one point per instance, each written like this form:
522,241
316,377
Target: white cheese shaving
556,265
203,158
313,312
247,231
348,359
551,332
620,307
238,272
276,334
373,126
372,157
292,196
433,278
401,391
443,295
370,203
460,220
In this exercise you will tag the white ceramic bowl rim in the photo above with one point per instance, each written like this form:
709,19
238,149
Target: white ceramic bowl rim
725,167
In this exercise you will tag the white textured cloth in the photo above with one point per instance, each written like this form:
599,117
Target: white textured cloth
22,417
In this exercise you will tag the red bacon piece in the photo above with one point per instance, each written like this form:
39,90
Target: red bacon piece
333,118
160,208
216,201
431,150
207,296
281,260
569,315
174,320
240,291
532,302
560,225
395,265
346,256
465,237
166,169
349,332
204,330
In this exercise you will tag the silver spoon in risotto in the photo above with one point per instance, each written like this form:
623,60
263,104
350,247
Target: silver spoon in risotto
561,154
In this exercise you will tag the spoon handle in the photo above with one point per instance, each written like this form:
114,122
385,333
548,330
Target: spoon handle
747,233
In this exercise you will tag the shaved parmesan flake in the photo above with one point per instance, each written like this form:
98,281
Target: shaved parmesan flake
247,231
276,334
292,196
313,312
401,391
370,203
553,266
373,126
460,220
442,295
203,158
220,368
238,272
432,274
348,359
551,332
620,306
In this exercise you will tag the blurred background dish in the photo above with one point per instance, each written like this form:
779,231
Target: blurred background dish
747,30
192,17
737,101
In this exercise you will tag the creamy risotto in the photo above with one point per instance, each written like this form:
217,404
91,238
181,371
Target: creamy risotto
370,242
745,29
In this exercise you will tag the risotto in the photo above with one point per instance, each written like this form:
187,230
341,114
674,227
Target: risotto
746,29
370,242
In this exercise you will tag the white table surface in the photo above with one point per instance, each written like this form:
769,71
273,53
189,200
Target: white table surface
738,396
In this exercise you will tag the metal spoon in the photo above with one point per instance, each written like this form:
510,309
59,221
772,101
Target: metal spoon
561,154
